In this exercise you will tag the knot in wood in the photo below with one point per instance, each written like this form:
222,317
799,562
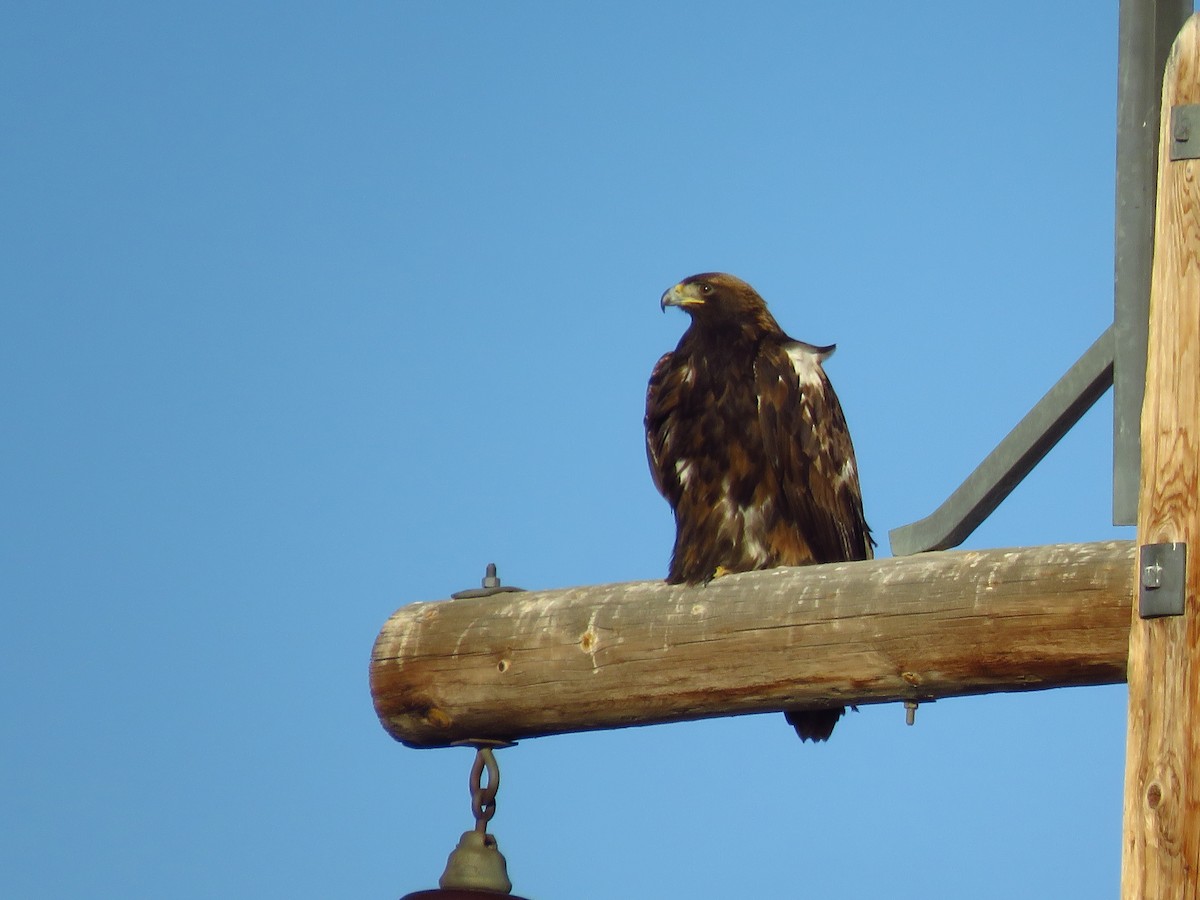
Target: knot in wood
1154,795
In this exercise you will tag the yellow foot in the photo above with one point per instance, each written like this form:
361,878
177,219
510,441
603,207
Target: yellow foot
717,573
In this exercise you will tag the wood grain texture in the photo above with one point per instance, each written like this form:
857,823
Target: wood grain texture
920,627
1161,855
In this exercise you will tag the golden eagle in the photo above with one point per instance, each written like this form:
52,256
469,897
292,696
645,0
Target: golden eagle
748,443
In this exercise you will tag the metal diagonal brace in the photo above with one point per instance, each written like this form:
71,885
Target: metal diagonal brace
1014,457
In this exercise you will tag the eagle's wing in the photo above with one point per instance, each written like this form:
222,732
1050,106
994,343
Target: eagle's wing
808,445
662,401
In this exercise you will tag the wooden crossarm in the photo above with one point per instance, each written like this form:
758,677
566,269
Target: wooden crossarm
923,627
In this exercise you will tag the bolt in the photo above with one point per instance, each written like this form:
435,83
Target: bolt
910,712
489,579
1152,576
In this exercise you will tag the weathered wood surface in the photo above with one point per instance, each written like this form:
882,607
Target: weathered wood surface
1161,855
921,627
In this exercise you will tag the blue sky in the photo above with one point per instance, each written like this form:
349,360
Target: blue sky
311,311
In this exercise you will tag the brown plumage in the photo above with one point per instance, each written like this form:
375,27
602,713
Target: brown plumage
748,443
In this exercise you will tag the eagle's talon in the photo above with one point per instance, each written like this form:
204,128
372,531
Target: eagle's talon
717,573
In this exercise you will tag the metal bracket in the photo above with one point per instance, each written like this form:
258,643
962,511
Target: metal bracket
1185,132
1162,569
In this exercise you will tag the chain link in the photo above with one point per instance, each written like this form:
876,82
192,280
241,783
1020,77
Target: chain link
483,797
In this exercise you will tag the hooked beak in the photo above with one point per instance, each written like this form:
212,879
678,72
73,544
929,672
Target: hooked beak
681,295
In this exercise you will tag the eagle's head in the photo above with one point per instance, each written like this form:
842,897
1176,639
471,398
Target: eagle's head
717,300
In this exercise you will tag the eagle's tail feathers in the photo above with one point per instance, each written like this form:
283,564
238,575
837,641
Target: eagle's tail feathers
814,724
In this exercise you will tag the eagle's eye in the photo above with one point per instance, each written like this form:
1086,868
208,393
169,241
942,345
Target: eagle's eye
705,287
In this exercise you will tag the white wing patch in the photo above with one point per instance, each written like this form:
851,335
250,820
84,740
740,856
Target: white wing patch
683,471
753,534
807,363
731,524
849,470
